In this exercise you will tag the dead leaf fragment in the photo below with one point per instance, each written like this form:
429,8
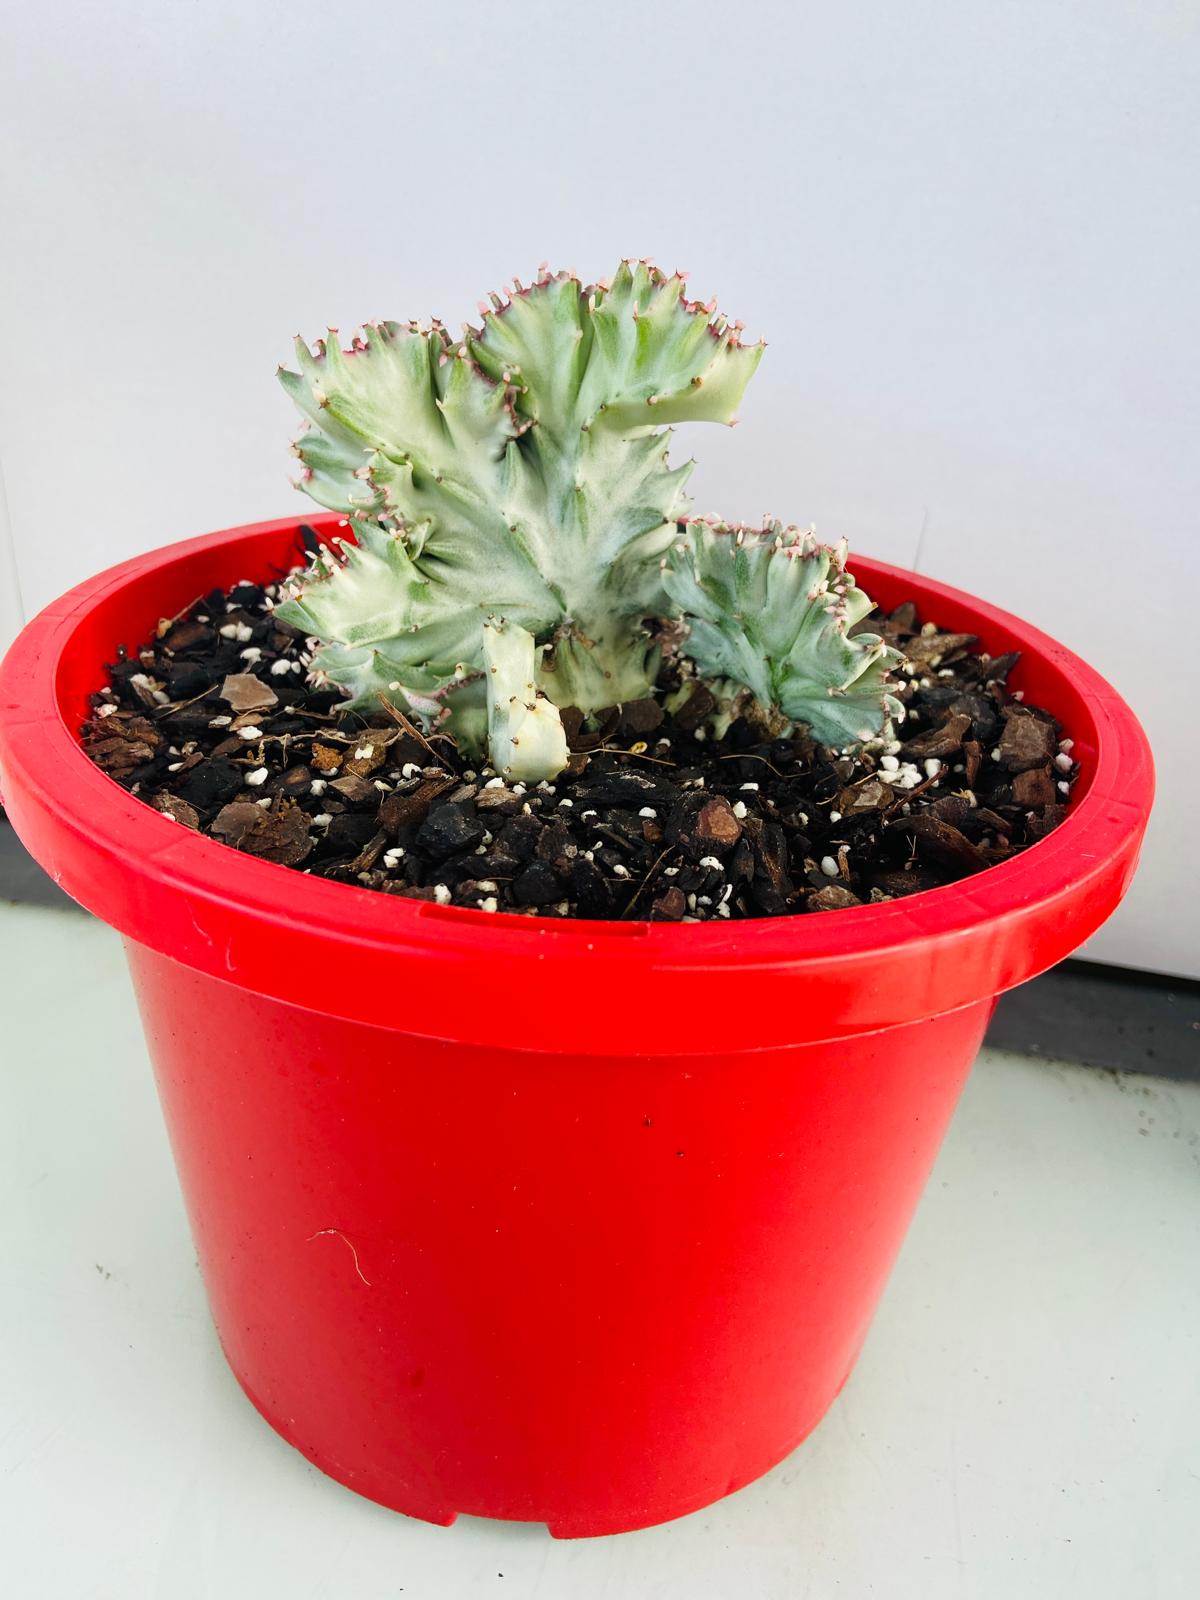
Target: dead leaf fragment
281,836
869,794
834,897
717,828
369,753
354,788
172,806
244,692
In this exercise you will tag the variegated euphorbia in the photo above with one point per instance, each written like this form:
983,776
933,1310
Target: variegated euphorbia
516,524
769,612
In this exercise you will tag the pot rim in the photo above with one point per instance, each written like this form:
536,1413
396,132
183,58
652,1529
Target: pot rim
208,906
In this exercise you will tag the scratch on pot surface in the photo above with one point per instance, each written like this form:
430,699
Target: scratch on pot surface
337,1232
210,940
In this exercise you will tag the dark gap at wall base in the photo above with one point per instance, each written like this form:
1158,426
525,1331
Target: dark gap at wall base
1108,1017
1097,1016
22,881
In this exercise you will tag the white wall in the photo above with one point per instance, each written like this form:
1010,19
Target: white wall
12,613
968,231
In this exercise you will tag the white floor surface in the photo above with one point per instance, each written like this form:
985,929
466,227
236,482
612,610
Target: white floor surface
1024,1421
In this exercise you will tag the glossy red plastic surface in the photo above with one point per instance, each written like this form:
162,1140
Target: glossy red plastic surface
575,1222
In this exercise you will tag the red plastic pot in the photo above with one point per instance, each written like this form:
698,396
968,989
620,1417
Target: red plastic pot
580,1223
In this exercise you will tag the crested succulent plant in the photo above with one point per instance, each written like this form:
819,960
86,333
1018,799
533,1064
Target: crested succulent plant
769,612
514,525
521,473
